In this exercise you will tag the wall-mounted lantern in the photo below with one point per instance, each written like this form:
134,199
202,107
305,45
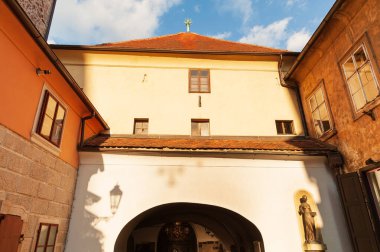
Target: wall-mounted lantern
115,197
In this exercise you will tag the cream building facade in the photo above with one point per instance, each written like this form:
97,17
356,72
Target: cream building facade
206,149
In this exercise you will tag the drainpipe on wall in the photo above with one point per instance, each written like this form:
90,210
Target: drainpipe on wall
83,124
292,84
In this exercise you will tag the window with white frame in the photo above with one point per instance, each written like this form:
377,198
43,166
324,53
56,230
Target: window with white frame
51,119
360,78
320,111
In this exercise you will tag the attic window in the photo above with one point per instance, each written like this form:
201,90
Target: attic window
199,81
141,126
284,127
200,127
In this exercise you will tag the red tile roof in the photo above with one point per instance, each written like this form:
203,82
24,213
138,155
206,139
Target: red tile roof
296,144
188,41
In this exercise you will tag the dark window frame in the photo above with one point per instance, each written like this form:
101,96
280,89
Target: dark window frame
283,127
200,121
199,90
46,245
47,95
364,42
140,120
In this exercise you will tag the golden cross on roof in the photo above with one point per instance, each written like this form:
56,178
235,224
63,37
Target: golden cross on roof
187,23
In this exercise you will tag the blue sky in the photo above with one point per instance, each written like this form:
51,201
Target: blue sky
286,24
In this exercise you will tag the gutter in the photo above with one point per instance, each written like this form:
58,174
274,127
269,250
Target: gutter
294,86
83,124
314,38
38,38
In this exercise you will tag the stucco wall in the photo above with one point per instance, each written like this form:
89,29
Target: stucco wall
357,139
261,189
246,97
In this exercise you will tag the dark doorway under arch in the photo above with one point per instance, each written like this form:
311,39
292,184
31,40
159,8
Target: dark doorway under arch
236,233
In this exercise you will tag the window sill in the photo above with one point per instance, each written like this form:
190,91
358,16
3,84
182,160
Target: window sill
42,142
328,134
368,107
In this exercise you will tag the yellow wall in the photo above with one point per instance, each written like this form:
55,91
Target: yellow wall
245,100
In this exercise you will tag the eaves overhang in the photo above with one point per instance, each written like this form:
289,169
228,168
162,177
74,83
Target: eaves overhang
313,39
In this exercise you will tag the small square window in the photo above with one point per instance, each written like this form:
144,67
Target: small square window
199,81
200,127
47,234
320,111
284,127
52,117
141,127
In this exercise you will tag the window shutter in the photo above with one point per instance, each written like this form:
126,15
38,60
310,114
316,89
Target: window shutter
357,213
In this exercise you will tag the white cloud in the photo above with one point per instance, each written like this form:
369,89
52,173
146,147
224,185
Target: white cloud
241,8
223,35
293,2
97,21
298,40
271,35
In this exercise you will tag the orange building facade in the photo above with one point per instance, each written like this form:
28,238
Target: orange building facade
339,80
42,111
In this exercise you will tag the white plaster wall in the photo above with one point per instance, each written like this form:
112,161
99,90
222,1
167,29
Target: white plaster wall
246,97
260,189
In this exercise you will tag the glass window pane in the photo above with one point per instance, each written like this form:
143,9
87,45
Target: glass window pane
374,182
194,80
56,135
313,103
60,113
46,126
288,127
204,88
279,127
371,91
323,111
50,107
53,233
370,86
317,123
349,68
204,81
43,235
205,129
354,84
49,249
326,125
319,96
360,57
40,249
194,88
195,129
194,73
359,100
204,73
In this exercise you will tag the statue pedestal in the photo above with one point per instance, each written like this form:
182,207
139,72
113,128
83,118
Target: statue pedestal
314,247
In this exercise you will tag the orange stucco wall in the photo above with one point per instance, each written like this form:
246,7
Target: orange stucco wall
356,138
21,87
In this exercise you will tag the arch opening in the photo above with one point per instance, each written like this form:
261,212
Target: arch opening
214,229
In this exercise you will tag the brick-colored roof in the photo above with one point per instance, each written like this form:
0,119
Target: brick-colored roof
296,144
188,41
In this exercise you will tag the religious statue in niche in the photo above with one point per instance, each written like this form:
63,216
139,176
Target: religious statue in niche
308,220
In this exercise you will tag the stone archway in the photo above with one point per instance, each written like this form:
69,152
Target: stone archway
228,231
